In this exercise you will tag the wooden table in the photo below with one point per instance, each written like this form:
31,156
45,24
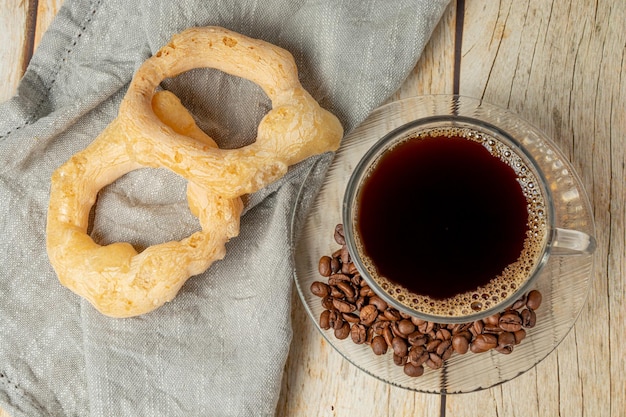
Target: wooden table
561,65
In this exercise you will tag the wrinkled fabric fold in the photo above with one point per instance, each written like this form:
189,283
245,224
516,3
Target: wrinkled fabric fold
220,347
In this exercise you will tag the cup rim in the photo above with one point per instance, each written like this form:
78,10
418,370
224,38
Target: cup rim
402,133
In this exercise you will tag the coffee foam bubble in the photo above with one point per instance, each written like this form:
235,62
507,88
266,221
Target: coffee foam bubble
503,287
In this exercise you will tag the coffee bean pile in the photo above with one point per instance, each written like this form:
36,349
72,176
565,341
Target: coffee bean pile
352,309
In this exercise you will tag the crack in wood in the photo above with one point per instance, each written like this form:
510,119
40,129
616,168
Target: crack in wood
458,45
29,33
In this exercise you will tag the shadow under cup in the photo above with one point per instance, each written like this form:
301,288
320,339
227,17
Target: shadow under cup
541,238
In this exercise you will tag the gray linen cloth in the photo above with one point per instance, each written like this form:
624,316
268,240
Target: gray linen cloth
220,347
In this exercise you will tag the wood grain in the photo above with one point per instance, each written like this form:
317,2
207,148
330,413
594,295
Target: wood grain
13,18
562,66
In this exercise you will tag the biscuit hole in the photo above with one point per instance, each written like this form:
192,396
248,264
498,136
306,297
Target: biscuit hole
231,123
145,207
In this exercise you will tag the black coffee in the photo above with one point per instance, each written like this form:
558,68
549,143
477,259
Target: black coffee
441,216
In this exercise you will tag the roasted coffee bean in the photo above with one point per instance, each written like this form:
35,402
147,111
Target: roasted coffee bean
464,328
392,314
379,326
327,303
356,281
434,361
460,343
320,289
506,339
417,322
345,255
406,327
337,321
492,329
447,354
533,301
343,332
505,350
466,334
443,346
379,346
454,328
336,292
395,330
343,306
443,334
388,335
324,266
510,321
417,339
432,345
525,316
415,352
336,278
360,303
366,291
477,327
353,271
346,289
519,336
332,319
380,304
335,265
399,346
426,327
351,317
529,318
368,314
422,358
351,299
413,370
519,303
400,360
358,333
483,343
492,320
324,320
339,235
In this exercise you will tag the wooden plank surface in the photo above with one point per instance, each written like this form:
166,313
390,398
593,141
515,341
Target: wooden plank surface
561,65
13,18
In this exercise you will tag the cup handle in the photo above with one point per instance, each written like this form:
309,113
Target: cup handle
572,242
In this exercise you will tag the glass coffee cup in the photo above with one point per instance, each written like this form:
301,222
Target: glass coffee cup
451,219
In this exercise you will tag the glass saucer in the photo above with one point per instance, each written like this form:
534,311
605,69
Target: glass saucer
564,282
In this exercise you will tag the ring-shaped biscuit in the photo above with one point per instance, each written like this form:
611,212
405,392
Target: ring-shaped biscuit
155,130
